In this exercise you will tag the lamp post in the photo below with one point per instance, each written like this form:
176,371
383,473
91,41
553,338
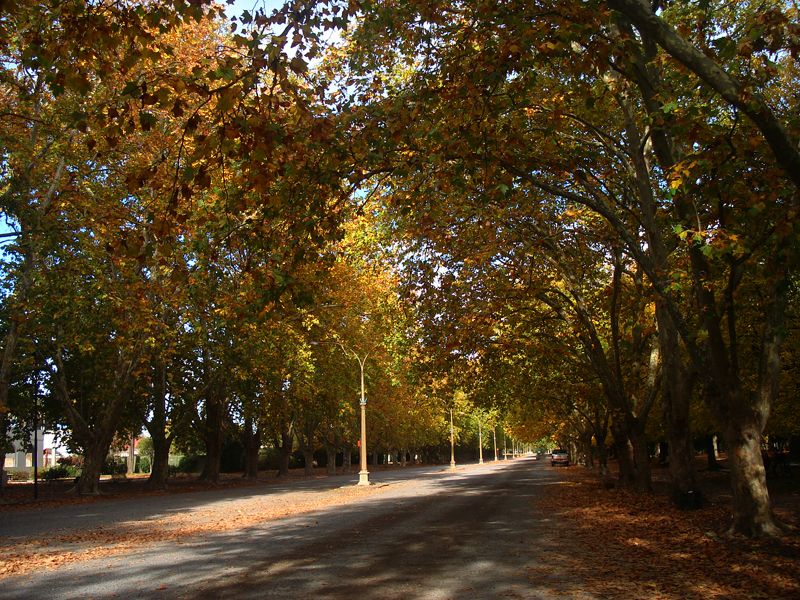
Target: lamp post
494,439
480,443
363,474
452,444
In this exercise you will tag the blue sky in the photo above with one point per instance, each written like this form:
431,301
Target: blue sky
241,5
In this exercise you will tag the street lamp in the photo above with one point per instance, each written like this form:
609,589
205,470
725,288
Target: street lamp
494,439
480,443
363,474
452,444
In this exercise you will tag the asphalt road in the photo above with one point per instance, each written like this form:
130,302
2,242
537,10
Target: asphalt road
473,533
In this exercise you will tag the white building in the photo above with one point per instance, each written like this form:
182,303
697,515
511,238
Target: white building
48,453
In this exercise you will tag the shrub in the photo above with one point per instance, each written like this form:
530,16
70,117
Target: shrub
57,472
113,466
192,463
71,461
18,476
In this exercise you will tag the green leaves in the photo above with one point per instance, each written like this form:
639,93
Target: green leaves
147,120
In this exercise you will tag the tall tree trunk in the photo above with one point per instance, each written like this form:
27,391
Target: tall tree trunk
95,439
602,452
752,510
347,458
132,457
157,428
159,471
641,457
677,390
94,457
285,450
586,447
251,439
330,453
213,435
308,461
627,474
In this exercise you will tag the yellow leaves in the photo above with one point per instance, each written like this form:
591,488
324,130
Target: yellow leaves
226,100
548,47
681,172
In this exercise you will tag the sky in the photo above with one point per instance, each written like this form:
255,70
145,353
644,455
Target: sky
238,6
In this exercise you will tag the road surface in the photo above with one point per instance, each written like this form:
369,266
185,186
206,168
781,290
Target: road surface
427,533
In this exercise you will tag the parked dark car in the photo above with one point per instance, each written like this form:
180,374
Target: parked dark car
559,457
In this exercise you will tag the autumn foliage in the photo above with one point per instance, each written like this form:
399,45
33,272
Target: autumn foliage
573,221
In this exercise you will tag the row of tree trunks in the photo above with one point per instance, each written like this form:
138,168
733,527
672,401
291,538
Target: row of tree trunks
741,414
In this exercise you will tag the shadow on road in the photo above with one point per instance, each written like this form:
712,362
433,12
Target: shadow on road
471,534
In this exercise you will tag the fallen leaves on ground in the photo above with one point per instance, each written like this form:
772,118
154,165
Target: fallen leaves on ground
29,555
625,545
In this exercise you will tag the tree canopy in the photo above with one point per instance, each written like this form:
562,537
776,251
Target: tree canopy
580,215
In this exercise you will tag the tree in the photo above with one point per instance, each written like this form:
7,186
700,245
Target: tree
509,102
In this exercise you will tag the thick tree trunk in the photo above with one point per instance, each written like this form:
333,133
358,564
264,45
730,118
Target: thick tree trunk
602,452
157,427
347,458
622,449
641,457
285,452
677,389
752,511
330,452
211,467
159,472
213,435
93,459
308,461
95,440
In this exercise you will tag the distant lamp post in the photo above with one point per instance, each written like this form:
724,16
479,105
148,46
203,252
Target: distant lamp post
494,440
480,443
452,443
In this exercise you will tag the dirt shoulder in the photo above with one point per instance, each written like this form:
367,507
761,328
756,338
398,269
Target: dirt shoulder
615,543
20,556
633,545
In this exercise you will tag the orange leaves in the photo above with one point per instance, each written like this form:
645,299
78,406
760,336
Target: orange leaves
28,555
648,548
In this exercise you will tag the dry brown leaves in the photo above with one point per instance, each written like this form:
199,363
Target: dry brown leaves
628,545
25,556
